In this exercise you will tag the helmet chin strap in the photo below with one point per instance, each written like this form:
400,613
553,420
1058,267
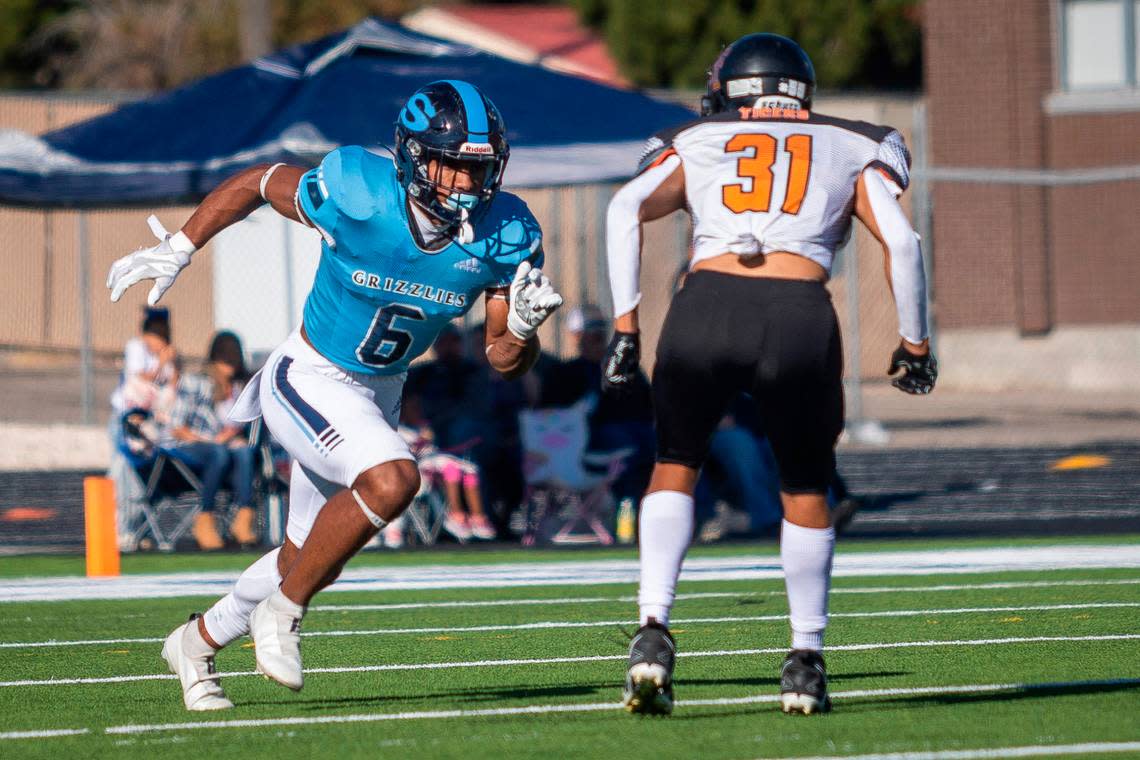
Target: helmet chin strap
464,232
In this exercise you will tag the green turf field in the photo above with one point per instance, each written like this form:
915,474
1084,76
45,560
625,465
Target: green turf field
919,664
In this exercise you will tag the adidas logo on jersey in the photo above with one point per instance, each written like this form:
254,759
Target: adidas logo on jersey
469,265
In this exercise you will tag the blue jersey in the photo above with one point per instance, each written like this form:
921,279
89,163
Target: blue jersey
379,300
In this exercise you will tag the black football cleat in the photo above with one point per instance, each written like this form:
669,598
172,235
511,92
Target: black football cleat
803,683
649,680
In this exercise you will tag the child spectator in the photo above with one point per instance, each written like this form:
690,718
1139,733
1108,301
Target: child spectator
460,479
150,369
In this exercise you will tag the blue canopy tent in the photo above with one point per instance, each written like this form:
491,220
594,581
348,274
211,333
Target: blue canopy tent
301,102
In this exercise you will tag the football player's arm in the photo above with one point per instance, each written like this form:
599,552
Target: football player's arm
508,354
654,193
229,202
877,206
241,195
657,191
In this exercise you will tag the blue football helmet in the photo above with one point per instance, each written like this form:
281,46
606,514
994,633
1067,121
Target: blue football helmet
452,122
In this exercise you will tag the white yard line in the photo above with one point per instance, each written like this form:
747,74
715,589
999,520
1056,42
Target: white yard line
593,572
43,734
591,658
555,624
586,707
607,706
1039,750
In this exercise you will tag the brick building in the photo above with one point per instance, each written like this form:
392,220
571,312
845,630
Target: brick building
1036,251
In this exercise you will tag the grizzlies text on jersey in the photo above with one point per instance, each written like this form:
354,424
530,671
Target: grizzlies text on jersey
378,300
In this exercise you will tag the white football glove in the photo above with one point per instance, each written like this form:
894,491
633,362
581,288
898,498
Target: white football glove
162,263
533,299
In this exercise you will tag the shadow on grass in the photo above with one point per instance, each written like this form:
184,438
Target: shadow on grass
1024,692
863,704
600,689
1027,691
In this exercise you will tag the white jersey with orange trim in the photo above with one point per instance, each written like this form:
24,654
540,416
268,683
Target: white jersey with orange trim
770,179
760,180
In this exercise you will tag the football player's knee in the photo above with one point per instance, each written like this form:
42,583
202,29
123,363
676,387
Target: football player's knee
388,488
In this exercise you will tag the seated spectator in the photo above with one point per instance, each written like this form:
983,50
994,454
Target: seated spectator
451,396
616,422
150,369
741,470
501,450
211,446
460,480
741,473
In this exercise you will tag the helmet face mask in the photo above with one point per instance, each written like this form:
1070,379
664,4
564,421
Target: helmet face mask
451,151
760,70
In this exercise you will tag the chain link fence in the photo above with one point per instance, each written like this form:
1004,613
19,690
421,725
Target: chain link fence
61,339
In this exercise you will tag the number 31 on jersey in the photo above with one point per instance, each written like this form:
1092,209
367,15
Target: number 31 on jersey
757,165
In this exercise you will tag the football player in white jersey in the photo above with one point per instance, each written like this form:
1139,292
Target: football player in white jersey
772,187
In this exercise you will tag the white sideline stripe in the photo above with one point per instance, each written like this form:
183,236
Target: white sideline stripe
513,602
588,658
712,595
1038,750
551,624
43,734
585,707
595,572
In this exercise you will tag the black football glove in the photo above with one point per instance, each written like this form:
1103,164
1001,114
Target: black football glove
623,358
919,372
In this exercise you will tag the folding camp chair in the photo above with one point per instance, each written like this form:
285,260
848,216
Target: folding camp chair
158,491
567,497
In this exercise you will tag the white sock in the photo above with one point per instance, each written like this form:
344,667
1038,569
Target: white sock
228,619
666,531
806,555
193,645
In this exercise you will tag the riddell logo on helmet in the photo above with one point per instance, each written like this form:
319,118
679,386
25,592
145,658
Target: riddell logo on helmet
480,149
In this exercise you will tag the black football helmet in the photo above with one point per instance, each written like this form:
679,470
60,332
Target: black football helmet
755,67
451,121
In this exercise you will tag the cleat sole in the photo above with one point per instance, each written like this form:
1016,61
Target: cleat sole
806,704
649,692
268,677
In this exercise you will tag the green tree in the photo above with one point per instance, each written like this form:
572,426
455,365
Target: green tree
853,43
152,44
20,20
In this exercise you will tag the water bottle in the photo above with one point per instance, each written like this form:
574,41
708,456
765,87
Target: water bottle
625,522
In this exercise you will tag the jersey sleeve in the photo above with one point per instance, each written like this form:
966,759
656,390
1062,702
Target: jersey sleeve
519,239
335,191
656,150
893,162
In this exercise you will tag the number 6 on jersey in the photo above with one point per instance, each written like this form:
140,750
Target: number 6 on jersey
758,167
386,344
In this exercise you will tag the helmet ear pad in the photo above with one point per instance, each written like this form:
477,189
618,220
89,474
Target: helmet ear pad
450,121
757,66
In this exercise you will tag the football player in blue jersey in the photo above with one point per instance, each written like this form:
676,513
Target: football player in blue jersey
408,245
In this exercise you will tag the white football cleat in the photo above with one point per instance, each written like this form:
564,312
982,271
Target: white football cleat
275,627
186,655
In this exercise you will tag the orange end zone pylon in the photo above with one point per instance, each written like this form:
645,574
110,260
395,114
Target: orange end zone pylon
99,513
